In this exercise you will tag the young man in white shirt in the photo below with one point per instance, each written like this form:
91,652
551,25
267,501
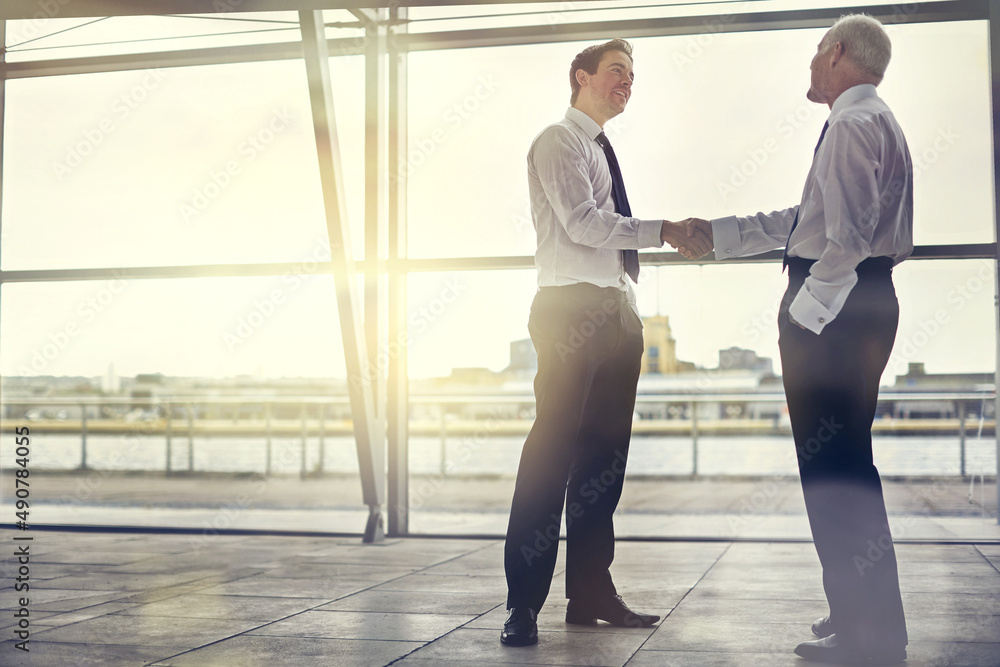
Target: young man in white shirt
586,330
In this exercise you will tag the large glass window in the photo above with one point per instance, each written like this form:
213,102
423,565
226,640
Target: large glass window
199,165
166,381
49,36
717,125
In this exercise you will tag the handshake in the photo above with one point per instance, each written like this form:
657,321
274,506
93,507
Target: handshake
691,238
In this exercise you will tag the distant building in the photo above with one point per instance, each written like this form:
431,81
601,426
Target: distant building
736,358
660,355
917,378
473,377
522,357
918,381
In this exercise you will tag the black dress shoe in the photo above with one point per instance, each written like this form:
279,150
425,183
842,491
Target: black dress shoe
612,610
520,628
830,650
822,627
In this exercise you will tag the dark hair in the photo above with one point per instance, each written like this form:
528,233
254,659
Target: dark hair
590,57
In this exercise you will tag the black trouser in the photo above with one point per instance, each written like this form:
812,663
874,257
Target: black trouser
589,345
831,384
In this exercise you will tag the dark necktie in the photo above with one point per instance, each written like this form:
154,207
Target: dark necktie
630,258
784,258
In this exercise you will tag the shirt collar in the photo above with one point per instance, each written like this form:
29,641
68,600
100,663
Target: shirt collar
851,96
586,123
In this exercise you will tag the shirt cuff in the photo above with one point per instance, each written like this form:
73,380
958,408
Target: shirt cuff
649,233
726,237
809,312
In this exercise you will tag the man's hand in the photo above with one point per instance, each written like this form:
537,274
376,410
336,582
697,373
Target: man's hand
689,237
695,225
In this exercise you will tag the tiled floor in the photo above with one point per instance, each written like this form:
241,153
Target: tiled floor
158,599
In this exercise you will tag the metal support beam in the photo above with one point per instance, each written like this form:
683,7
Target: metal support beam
3,100
399,263
371,460
954,10
374,208
994,55
397,395
823,17
375,141
33,9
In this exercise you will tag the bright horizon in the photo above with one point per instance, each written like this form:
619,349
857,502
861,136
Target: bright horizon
216,164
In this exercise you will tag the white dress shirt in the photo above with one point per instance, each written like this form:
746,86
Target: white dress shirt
857,203
580,237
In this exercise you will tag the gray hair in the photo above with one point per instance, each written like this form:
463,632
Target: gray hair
865,43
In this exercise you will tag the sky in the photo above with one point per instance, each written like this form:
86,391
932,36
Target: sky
216,164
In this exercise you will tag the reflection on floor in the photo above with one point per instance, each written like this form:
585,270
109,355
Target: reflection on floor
947,508
186,599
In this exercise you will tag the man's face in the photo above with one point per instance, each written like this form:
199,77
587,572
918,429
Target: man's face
611,86
820,73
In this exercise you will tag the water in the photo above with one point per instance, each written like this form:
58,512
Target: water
490,455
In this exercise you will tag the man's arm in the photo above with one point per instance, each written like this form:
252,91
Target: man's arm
564,174
737,236
754,234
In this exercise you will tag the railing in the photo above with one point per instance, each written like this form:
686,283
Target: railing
317,415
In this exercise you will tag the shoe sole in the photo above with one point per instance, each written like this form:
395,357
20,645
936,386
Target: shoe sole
585,620
575,619
815,656
519,642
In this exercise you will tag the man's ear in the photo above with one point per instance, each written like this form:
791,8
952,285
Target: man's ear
837,53
582,77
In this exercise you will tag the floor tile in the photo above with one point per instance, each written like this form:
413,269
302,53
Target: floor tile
146,631
270,600
257,651
419,602
709,634
244,607
83,654
553,648
648,658
289,588
364,625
